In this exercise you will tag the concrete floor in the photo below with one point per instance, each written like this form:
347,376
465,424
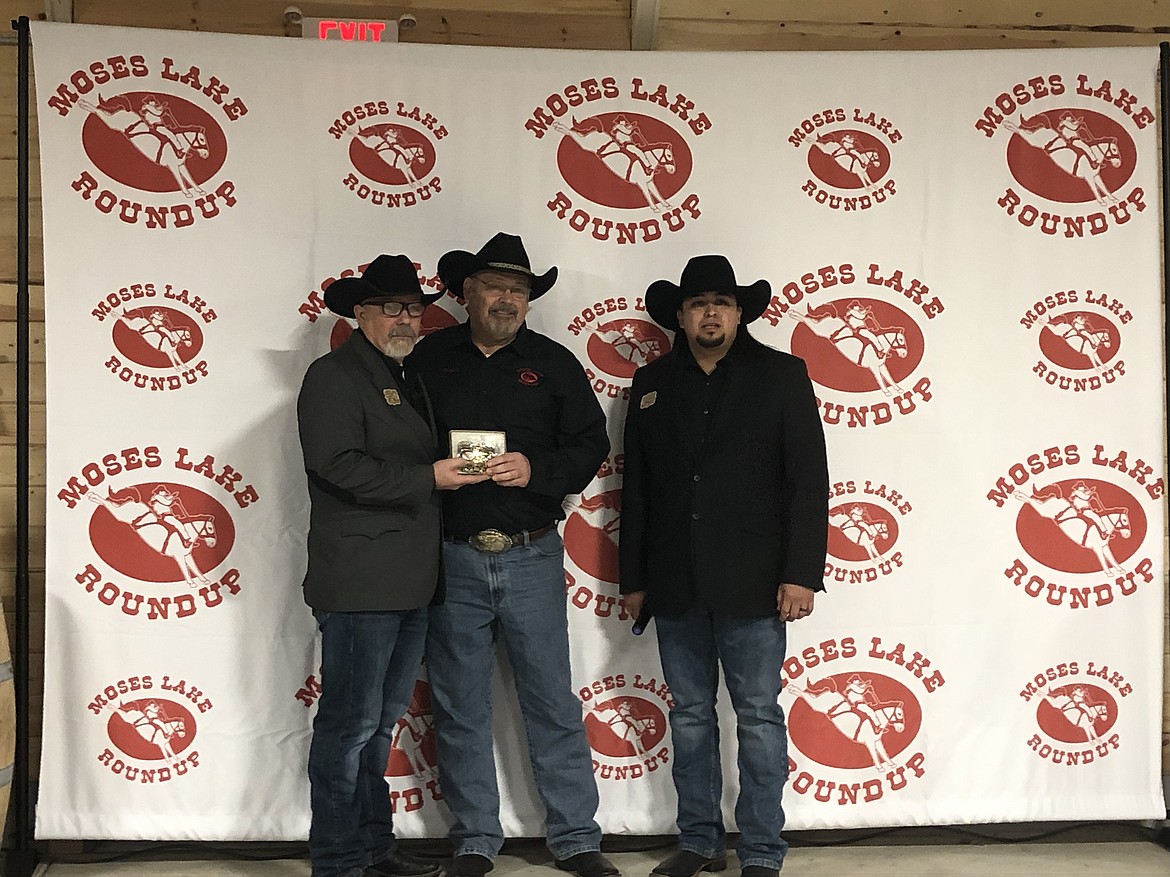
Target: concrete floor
1101,851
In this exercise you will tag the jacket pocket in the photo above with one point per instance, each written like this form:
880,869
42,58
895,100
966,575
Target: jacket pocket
373,524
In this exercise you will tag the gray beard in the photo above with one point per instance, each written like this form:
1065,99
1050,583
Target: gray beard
398,347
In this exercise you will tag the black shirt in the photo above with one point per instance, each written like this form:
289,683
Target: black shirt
534,390
700,392
699,397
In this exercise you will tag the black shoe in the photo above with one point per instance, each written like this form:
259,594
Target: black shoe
684,863
470,865
589,864
402,865
759,871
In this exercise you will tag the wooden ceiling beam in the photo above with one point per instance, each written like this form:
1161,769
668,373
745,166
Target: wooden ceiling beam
643,24
1149,15
59,10
810,36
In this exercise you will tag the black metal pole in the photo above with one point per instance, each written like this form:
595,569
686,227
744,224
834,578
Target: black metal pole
23,857
1164,108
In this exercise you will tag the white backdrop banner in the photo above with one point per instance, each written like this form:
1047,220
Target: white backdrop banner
964,247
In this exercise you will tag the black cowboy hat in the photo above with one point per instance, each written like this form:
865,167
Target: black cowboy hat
705,274
384,277
504,252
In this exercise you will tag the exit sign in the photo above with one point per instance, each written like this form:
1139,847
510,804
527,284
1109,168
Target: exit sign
350,30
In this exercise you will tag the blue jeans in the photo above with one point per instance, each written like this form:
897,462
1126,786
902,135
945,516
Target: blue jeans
369,663
521,595
752,651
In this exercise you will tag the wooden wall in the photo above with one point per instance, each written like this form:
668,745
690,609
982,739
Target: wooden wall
768,25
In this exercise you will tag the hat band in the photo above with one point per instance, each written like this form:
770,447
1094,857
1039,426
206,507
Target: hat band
508,266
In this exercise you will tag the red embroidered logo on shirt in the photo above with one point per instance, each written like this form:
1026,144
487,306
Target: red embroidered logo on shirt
529,377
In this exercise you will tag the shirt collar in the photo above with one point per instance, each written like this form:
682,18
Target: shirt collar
521,344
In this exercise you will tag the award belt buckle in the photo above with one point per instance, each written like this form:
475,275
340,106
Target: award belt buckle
491,542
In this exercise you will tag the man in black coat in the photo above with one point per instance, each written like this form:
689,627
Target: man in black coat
369,445
723,538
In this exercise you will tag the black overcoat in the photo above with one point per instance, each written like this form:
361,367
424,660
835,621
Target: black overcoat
374,524
724,525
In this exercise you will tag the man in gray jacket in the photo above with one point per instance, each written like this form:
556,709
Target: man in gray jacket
369,445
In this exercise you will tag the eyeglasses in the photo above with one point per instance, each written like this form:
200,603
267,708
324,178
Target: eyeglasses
394,308
498,286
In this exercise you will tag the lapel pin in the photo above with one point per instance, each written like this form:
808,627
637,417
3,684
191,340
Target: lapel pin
392,397
649,399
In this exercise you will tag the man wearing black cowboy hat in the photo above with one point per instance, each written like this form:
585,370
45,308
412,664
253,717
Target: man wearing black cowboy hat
369,445
724,530
504,559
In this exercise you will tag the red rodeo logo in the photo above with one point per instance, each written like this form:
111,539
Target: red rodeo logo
151,726
623,160
157,337
153,142
632,158
1071,156
161,532
1083,532
412,769
1079,336
1075,708
854,710
1080,525
151,729
849,157
413,750
155,530
620,347
391,150
858,345
165,137
1076,713
1071,146
626,725
157,330
855,344
854,720
618,341
864,531
592,532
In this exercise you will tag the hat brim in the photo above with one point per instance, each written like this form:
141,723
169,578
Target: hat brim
664,299
457,265
343,295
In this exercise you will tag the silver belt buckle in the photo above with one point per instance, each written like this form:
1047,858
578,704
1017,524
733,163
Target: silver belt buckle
491,542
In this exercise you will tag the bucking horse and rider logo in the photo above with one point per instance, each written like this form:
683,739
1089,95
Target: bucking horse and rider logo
153,142
623,160
391,154
625,727
1080,341
151,729
848,159
158,337
592,533
1080,526
1076,713
853,720
858,345
861,532
1071,155
161,532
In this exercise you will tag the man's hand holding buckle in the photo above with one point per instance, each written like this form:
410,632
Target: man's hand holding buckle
510,469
